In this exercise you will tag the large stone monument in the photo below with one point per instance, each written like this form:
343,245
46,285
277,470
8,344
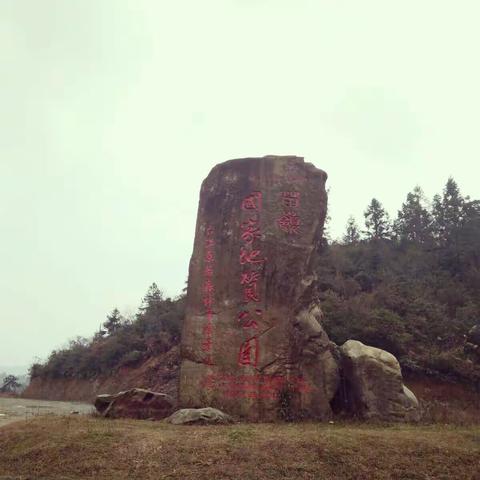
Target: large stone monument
252,342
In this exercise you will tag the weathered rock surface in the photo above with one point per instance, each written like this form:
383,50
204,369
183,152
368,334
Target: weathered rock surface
252,340
474,335
135,403
472,344
374,384
204,416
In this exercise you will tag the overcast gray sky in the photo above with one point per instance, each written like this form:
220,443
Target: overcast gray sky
113,111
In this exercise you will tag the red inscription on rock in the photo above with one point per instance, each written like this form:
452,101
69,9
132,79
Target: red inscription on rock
250,259
291,199
254,386
250,256
249,278
289,222
250,230
248,354
247,320
252,201
208,293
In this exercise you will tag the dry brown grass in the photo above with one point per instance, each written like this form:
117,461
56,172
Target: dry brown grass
86,448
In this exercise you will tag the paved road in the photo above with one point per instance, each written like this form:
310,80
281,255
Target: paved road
14,409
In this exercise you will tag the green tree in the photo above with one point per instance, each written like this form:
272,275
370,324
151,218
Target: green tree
414,221
152,299
377,221
352,234
114,321
10,384
148,319
469,241
448,213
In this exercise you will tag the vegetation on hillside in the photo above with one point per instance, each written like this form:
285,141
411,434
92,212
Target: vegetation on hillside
10,384
410,286
120,342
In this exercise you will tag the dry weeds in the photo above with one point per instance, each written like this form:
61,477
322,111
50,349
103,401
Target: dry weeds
85,448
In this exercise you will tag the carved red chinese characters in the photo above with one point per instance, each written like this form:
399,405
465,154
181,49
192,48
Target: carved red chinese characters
208,293
250,260
290,221
248,354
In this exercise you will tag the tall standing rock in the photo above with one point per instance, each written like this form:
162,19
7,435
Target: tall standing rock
252,342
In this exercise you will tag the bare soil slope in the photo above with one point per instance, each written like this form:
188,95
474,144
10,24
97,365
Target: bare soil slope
157,373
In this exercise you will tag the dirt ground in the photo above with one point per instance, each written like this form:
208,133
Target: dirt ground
79,447
14,409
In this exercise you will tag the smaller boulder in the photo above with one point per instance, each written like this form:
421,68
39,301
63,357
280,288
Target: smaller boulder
204,416
135,403
374,384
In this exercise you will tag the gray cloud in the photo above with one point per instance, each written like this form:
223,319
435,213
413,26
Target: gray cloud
112,113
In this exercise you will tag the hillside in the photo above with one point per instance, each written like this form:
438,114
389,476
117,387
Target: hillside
125,353
410,286
158,372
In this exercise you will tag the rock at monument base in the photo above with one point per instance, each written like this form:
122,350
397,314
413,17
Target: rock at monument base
374,384
194,416
318,360
135,403
252,340
474,335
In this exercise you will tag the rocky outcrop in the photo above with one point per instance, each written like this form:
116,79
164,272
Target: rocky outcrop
202,416
374,386
135,403
252,341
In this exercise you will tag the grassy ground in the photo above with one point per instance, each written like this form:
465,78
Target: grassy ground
87,448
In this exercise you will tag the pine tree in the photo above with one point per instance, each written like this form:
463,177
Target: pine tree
114,321
448,213
469,238
377,221
152,298
437,216
149,317
414,221
352,234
